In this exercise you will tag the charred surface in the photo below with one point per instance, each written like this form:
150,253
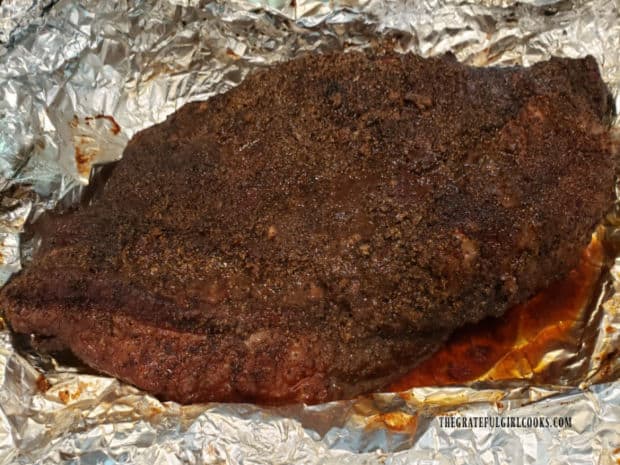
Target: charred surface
319,230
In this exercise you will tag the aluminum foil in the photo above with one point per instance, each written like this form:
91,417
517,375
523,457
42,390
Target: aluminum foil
78,79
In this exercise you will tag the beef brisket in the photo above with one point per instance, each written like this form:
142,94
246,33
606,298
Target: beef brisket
320,229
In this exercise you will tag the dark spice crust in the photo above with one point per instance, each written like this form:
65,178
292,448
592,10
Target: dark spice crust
320,229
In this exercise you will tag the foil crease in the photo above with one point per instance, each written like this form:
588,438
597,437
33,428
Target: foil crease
79,78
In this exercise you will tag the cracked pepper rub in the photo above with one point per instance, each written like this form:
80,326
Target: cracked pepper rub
319,230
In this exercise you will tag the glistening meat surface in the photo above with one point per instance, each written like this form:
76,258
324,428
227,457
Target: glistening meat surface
319,230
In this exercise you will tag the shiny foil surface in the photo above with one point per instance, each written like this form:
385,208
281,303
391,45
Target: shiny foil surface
79,78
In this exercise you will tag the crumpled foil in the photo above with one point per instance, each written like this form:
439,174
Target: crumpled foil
78,79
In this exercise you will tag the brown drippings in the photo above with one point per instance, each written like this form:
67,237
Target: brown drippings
607,364
513,346
83,160
64,396
232,54
115,129
395,421
43,384
86,148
